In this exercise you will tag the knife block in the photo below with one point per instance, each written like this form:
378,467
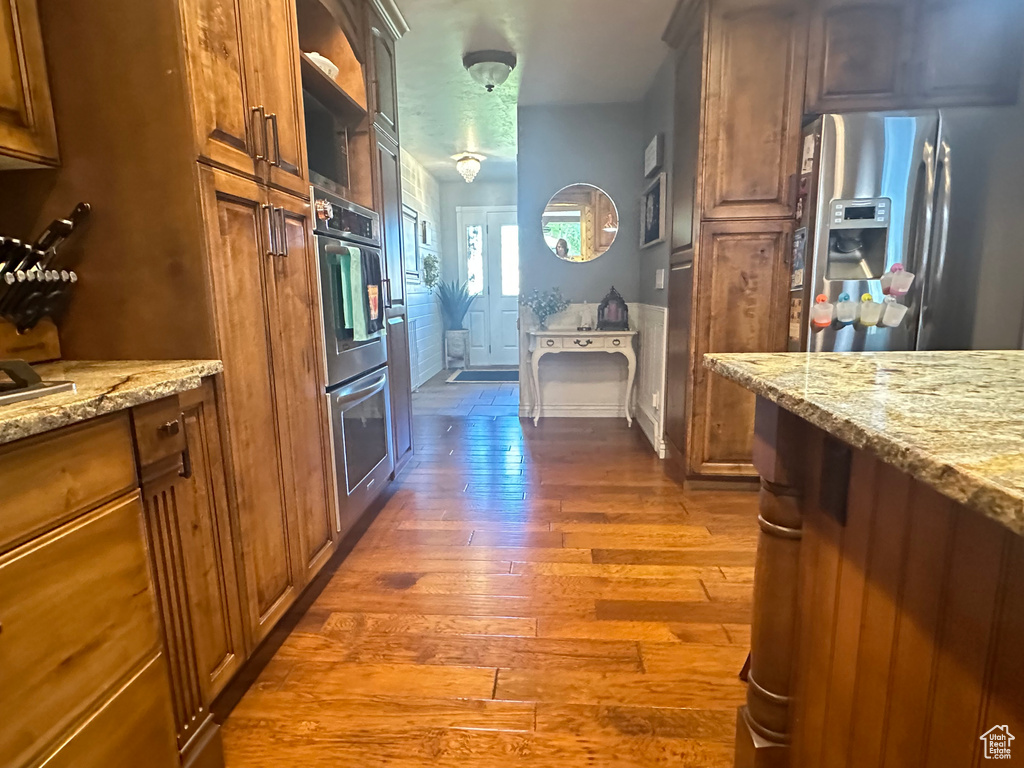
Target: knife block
36,346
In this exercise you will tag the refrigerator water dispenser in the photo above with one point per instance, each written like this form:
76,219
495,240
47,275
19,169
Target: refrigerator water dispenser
858,239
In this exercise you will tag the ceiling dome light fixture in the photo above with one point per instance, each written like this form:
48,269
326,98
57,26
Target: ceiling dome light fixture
489,68
468,165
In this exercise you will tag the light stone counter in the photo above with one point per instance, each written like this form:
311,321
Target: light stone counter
102,387
953,420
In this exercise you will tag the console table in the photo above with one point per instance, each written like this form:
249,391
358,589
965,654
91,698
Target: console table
609,342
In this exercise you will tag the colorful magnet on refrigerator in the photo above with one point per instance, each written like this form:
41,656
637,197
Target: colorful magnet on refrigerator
893,313
870,310
846,309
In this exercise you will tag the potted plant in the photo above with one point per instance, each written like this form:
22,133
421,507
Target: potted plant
455,301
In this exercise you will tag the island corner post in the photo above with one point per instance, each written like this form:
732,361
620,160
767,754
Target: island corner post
888,619
763,724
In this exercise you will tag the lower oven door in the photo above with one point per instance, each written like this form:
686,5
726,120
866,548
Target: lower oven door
361,433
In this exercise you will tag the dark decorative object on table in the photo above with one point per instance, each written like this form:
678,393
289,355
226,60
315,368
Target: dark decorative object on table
612,313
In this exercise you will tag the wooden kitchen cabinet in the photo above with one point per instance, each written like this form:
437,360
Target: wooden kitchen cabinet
742,274
389,189
192,546
28,137
679,357
756,54
385,79
239,241
299,384
909,54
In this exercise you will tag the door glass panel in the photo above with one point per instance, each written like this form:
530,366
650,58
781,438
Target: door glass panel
366,437
475,259
510,260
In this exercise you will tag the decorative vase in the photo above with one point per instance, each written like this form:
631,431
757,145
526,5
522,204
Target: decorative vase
456,345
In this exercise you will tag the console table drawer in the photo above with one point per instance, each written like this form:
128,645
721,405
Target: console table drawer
584,342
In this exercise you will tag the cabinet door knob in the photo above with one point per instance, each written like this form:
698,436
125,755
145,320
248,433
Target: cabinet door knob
170,428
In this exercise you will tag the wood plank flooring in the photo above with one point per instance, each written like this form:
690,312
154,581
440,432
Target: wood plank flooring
527,597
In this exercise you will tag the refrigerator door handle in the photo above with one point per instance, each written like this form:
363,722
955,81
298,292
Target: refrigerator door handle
935,261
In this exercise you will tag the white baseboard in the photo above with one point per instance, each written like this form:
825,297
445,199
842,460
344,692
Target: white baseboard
649,425
576,412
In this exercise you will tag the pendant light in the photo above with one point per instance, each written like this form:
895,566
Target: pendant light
489,68
468,165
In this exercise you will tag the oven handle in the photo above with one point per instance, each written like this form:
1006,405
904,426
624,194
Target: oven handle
363,393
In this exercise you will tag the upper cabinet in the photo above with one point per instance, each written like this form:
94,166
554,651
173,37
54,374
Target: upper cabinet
243,72
385,80
753,95
28,138
902,54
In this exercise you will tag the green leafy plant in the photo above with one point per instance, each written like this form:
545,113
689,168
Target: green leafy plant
431,271
455,301
544,304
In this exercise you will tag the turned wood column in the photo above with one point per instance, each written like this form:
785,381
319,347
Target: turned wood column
763,725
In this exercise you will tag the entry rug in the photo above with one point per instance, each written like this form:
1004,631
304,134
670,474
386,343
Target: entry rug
491,375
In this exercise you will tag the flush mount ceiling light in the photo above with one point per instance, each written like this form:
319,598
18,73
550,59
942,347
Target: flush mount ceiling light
468,165
489,68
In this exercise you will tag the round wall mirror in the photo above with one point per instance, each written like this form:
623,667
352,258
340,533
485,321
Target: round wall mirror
580,222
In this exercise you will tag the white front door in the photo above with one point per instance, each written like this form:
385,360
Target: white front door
489,250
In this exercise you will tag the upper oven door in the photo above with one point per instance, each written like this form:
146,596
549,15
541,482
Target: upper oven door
352,307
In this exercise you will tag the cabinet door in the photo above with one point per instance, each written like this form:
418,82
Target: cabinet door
401,389
679,360
968,52
753,108
858,54
389,204
238,221
385,80
299,382
223,86
277,62
742,271
27,134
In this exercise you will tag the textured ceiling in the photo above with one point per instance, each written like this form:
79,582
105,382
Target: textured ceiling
570,52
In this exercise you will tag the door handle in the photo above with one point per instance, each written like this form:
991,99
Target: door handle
271,230
272,119
282,232
259,124
387,292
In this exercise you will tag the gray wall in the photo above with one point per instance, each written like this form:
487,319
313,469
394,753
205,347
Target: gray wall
600,144
459,193
659,118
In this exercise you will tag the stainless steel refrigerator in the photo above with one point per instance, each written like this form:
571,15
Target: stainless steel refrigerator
938,194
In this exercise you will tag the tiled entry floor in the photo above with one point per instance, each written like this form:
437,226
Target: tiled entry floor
439,398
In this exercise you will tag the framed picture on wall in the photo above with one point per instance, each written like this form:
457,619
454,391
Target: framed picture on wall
652,212
411,244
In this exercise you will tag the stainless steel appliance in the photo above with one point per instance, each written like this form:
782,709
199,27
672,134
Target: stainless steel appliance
883,196
361,434
342,230
351,270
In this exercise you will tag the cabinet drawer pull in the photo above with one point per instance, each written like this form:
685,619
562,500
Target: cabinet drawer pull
583,342
550,342
616,342
259,127
276,144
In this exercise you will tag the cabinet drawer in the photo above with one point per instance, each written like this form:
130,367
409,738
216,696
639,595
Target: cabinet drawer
136,721
77,615
585,342
159,432
48,479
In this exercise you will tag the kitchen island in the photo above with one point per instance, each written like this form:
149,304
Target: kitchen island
889,590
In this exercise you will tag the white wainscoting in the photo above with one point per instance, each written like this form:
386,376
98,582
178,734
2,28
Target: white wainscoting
425,335
589,386
651,323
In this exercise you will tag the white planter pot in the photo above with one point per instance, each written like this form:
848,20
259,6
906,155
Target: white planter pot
456,346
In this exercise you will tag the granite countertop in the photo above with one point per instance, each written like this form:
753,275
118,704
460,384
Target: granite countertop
953,420
102,387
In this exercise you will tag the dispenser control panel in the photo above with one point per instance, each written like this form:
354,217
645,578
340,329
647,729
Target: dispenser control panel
870,213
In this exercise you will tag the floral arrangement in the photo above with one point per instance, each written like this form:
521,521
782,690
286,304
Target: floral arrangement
544,304
431,271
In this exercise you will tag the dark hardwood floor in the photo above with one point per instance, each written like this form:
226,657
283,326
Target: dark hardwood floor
528,597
